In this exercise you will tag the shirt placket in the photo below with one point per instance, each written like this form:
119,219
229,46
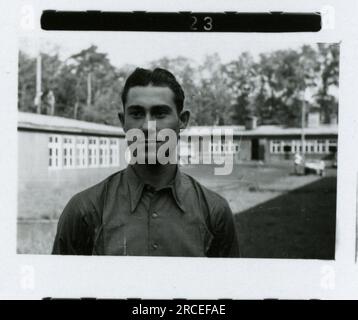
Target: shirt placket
153,220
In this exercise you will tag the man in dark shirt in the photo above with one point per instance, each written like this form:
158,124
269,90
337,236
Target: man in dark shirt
149,209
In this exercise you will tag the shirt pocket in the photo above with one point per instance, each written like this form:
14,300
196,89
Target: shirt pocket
114,240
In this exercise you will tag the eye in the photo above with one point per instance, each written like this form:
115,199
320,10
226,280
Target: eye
136,114
160,113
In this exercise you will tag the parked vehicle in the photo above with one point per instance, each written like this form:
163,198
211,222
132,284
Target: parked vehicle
316,166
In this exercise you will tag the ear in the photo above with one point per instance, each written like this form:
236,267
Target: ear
184,119
121,117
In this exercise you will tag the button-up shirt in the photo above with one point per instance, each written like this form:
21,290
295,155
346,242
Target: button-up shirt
123,216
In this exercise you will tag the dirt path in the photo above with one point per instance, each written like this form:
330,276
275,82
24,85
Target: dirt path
241,199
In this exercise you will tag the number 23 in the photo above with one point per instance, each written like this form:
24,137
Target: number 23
207,26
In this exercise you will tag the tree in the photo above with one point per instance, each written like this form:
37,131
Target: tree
240,80
87,86
215,99
107,98
329,69
26,83
50,75
67,92
284,75
51,68
90,68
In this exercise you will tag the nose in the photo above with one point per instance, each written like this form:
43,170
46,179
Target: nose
148,125
145,123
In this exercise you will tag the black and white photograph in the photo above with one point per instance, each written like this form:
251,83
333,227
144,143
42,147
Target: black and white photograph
253,170
181,164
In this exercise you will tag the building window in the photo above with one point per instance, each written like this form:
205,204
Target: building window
275,146
311,146
114,152
287,148
103,151
54,146
68,147
92,152
81,152
332,146
321,146
101,154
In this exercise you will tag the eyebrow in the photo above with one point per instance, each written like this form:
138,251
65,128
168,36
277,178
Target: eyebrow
161,106
134,106
137,106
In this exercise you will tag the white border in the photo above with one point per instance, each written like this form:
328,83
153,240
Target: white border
36,276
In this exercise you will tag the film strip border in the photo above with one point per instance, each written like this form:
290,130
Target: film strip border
177,308
185,21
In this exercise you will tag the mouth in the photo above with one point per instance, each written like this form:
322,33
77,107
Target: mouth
152,141
149,142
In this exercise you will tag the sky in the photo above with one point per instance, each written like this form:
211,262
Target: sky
139,48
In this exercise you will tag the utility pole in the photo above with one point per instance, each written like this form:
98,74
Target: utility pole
38,83
306,97
51,101
89,89
303,118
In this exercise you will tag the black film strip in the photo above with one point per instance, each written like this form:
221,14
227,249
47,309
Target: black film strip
180,21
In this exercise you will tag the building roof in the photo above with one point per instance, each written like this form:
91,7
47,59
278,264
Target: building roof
264,130
40,122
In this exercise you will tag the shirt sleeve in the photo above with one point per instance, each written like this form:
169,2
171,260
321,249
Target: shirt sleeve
225,242
73,236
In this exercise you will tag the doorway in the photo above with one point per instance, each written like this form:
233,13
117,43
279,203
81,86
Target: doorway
255,149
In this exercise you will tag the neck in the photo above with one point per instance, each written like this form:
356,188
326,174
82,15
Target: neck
156,175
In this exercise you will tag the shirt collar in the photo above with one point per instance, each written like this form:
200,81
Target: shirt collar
136,186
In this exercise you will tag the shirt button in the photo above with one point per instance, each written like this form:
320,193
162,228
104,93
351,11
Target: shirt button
149,188
154,246
154,215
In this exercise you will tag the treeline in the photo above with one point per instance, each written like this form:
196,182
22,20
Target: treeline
87,86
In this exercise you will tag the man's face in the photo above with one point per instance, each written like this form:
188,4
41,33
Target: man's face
151,103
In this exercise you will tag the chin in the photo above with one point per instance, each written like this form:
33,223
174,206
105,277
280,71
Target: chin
150,156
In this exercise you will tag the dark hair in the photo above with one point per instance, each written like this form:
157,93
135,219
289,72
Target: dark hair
158,77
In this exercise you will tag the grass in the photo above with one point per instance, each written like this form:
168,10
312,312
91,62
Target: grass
277,215
36,236
298,224
46,198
